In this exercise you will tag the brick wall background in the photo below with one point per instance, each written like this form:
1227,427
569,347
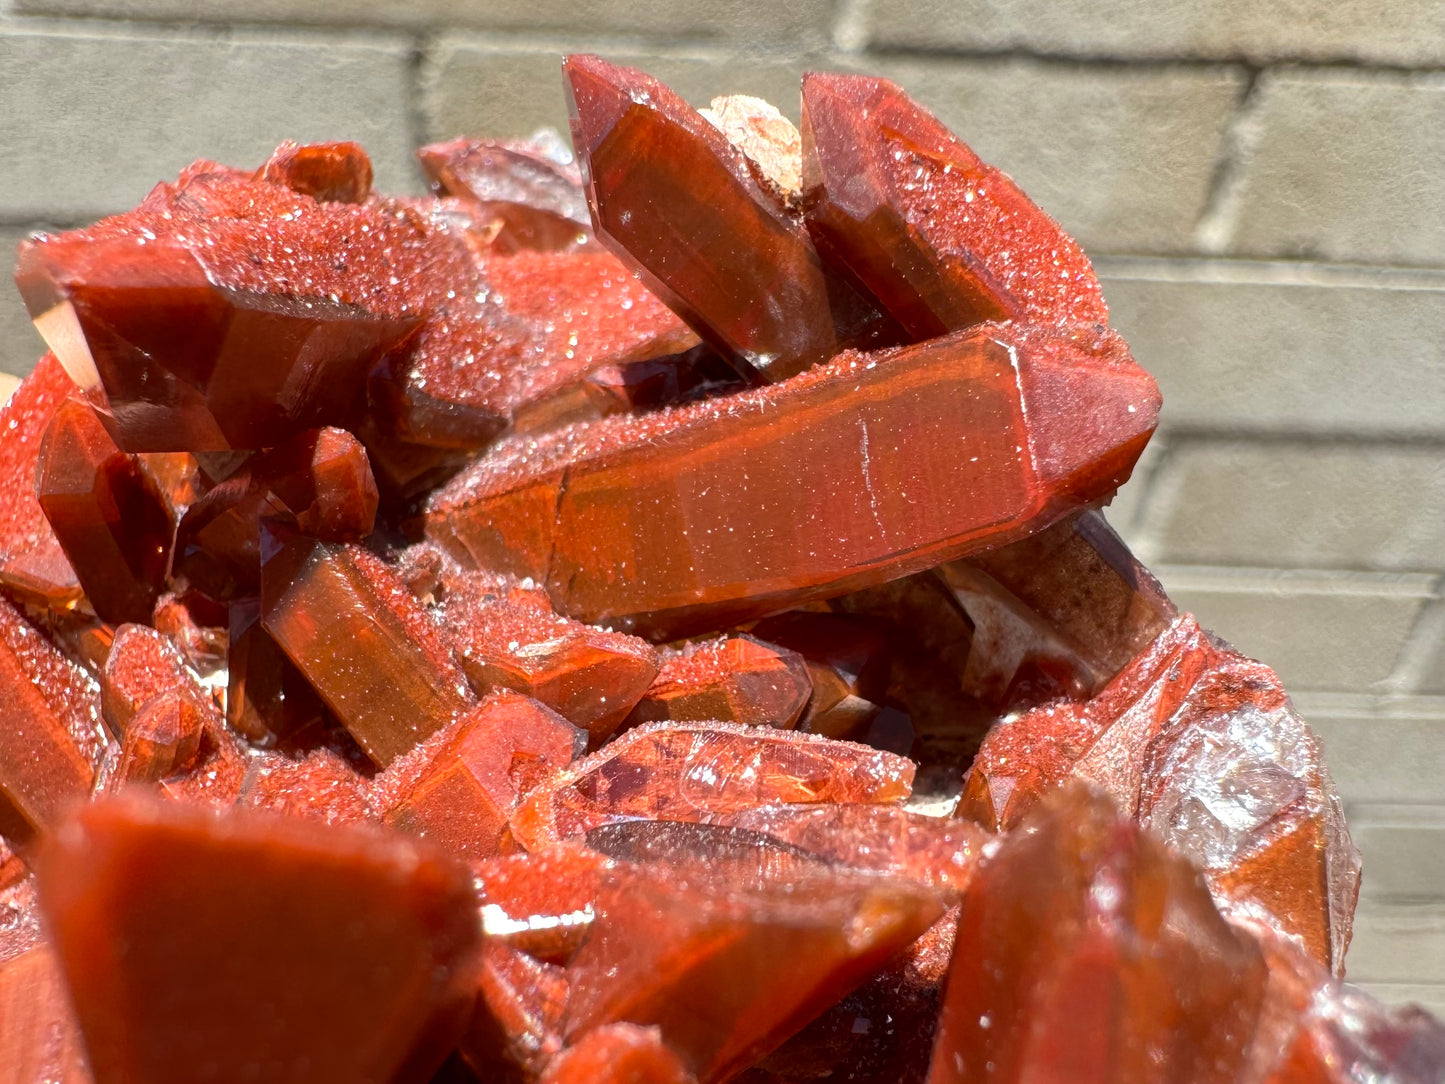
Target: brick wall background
1260,182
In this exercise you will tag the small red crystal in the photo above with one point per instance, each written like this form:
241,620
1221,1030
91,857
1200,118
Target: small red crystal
734,679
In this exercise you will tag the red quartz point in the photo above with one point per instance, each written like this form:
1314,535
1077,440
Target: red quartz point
503,749
510,638
857,472
618,1054
1088,952
33,567
224,312
848,665
683,771
364,643
533,197
166,921
268,700
328,172
107,513
736,679
196,626
1180,740
542,903
727,967
164,737
674,199
141,665
515,1030
38,1033
50,734
938,237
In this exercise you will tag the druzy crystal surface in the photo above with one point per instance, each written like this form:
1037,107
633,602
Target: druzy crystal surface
642,614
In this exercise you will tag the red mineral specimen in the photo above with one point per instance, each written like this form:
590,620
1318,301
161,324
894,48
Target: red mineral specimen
683,771
141,665
164,737
502,749
672,197
49,729
618,1054
542,903
225,312
1202,746
734,679
516,1028
320,785
363,642
726,967
938,237
1088,952
510,638
268,700
107,512
178,957
328,172
33,567
856,472
848,665
534,198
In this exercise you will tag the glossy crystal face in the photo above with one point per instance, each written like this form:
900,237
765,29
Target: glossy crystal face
639,614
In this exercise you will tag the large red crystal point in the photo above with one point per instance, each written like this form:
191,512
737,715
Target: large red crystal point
222,313
363,642
674,199
108,514
180,962
49,729
860,471
734,679
502,749
683,771
938,237
1087,952
33,566
727,967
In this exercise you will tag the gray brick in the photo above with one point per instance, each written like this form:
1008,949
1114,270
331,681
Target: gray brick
1429,996
1423,668
1319,505
1298,348
92,121
747,20
20,343
1344,166
1397,943
1403,848
477,87
1123,158
1403,32
1327,631
1381,750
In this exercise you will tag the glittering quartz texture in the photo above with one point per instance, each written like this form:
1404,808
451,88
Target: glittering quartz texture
671,196
700,515
1202,746
682,771
940,239
176,954
1088,952
735,679
33,566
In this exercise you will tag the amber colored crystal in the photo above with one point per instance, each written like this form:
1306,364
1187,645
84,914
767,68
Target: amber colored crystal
727,968
328,172
107,513
166,922
734,679
502,749
33,566
197,626
364,643
164,737
216,776
618,1054
859,471
683,771
938,237
510,638
674,199
49,729
848,664
515,1029
1086,952
1202,746
534,200
268,700
38,1034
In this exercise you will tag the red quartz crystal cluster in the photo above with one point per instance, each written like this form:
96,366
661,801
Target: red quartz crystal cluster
645,620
